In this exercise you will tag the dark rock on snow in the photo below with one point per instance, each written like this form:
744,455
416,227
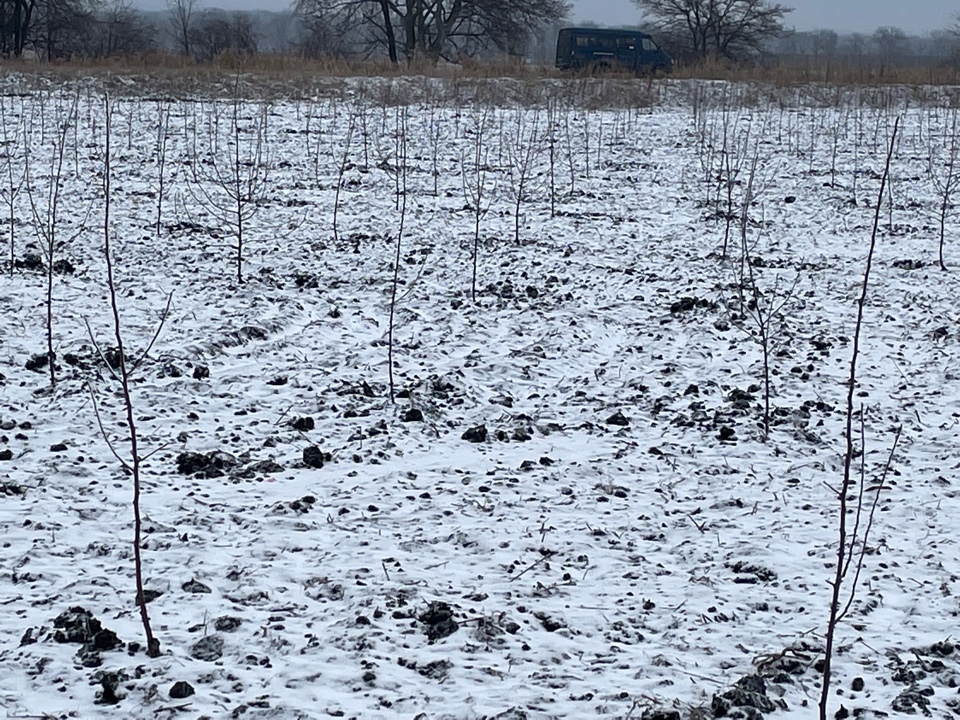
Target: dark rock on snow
113,356
314,457
209,648
30,261
109,682
226,623
170,370
195,586
263,467
27,638
181,690
78,625
618,418
550,624
303,424
749,573
912,700
37,362
438,621
748,693
436,670
149,595
209,465
660,715
476,434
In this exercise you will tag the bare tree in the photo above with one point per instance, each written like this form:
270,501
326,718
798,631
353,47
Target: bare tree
432,29
762,311
216,32
163,129
14,178
891,43
841,582
183,18
731,29
436,126
402,174
16,18
45,209
61,28
327,34
234,181
119,29
126,367
475,187
823,43
523,147
854,45
341,168
942,166
64,28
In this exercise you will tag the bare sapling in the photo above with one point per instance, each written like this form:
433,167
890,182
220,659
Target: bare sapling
312,153
586,144
364,125
599,161
45,210
857,142
706,150
816,130
190,132
234,190
734,157
131,461
160,151
474,189
571,160
552,149
435,128
522,150
835,131
847,541
342,165
890,201
398,139
945,178
402,174
15,174
762,312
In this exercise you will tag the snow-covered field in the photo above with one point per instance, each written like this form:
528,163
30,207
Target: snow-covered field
617,538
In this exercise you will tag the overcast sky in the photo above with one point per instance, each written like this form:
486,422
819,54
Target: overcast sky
913,16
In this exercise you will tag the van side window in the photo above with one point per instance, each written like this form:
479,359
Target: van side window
584,41
649,45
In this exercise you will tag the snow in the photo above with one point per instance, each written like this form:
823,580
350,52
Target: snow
592,569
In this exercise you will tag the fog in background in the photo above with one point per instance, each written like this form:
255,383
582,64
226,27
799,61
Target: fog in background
915,17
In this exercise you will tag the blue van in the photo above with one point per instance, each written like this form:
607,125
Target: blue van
594,48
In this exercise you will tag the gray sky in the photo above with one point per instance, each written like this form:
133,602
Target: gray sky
913,16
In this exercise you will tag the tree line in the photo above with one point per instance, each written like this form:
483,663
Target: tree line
408,31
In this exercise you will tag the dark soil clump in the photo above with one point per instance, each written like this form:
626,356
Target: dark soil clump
438,621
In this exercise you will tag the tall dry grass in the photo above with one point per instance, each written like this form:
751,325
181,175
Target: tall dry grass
505,82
